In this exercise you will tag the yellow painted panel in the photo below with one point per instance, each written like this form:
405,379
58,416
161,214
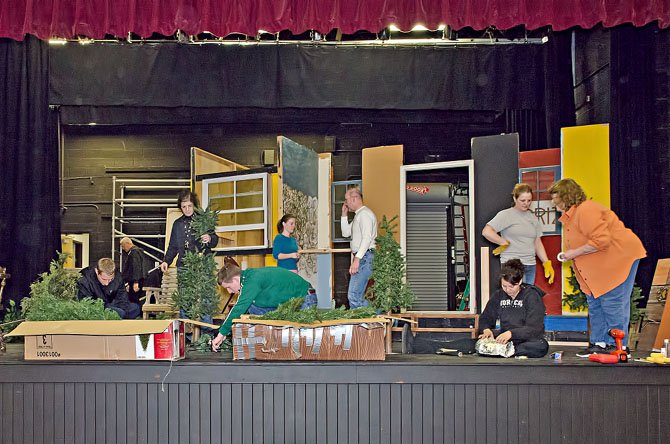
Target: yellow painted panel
381,181
67,246
585,157
275,209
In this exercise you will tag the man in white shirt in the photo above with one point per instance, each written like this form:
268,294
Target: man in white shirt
363,232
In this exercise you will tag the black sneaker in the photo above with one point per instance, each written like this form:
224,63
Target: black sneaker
594,348
407,338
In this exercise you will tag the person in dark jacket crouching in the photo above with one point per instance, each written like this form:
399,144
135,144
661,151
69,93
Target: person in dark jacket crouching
102,282
520,309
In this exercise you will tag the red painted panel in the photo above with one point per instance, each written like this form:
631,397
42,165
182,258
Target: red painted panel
552,300
538,158
552,243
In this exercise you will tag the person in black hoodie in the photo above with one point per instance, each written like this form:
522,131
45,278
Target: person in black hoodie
102,282
181,236
520,309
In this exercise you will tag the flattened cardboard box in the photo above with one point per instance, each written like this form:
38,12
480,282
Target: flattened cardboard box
342,340
126,340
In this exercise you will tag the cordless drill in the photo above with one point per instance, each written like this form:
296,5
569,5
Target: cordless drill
618,336
618,355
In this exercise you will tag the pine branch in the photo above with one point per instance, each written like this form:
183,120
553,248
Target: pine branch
203,222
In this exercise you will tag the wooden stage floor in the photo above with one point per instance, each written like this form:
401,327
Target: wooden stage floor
208,398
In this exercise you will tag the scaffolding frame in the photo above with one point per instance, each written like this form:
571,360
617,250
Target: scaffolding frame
121,220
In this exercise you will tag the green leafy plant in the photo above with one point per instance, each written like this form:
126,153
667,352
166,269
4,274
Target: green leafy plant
196,286
203,344
290,311
57,282
204,222
576,300
636,313
390,291
11,320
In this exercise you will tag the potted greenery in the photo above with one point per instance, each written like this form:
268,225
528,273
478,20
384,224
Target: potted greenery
390,291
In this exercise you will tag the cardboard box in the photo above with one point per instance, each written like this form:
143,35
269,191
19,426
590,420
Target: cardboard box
127,340
342,340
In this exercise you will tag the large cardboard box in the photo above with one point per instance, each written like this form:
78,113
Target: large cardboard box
341,340
127,340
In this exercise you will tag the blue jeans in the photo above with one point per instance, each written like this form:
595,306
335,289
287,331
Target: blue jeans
132,313
529,274
310,301
612,310
359,282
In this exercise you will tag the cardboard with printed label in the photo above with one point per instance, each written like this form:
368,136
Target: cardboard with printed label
126,340
341,340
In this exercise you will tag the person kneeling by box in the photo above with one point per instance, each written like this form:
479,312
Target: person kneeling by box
261,290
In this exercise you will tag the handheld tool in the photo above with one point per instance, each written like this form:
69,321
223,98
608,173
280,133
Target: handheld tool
618,336
618,355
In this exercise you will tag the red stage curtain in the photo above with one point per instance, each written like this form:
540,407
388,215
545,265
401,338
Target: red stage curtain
95,18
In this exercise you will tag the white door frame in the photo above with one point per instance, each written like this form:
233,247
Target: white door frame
470,165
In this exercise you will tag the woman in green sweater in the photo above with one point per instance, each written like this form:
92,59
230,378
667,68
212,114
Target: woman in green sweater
261,290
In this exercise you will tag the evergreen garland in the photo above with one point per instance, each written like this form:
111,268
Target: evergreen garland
53,298
50,308
390,291
196,286
290,311
204,222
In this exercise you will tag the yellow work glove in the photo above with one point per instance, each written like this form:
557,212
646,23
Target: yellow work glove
500,249
548,271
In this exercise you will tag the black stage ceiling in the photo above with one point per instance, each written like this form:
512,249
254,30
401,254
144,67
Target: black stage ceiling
209,398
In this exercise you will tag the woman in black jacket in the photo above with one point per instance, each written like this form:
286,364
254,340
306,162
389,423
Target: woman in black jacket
181,237
520,309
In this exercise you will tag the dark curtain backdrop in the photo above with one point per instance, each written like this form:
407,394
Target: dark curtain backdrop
638,194
472,78
95,18
29,218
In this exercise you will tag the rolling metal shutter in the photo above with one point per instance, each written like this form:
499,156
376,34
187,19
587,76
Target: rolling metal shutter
426,254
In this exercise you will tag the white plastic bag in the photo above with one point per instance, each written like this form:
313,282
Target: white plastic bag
490,347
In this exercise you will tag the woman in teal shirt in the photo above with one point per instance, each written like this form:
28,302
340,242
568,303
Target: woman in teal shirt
285,247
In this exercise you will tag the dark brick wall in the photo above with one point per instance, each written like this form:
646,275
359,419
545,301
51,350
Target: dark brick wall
93,154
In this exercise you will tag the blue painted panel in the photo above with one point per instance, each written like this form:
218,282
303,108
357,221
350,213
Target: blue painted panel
324,270
565,323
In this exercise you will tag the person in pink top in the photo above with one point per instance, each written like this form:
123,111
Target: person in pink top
605,257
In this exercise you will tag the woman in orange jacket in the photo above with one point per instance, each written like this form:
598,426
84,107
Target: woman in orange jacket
605,257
